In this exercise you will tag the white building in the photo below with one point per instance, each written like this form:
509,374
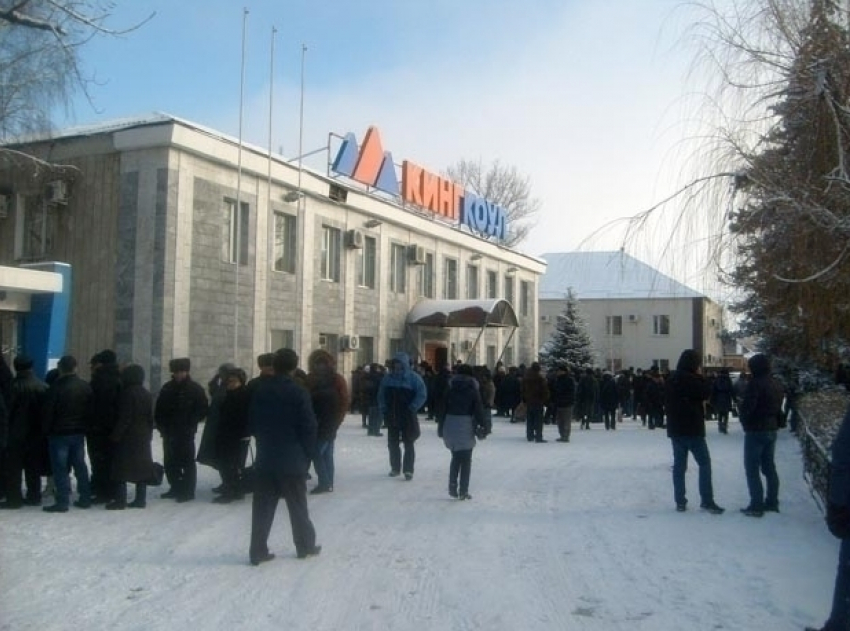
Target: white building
184,242
636,316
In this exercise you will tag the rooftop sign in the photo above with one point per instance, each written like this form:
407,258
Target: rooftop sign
369,164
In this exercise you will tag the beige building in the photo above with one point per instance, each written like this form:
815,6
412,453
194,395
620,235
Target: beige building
183,242
636,316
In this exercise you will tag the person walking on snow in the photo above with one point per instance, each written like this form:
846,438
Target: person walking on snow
400,395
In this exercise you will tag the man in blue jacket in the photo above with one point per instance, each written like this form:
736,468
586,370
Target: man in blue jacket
282,421
838,520
400,395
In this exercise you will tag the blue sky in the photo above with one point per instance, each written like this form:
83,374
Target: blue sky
584,96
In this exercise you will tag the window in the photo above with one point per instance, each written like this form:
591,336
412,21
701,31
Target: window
366,353
491,356
37,227
613,325
492,281
329,342
398,268
282,338
508,356
366,263
285,240
472,282
236,230
396,346
614,364
509,289
661,325
450,280
524,297
331,252
426,277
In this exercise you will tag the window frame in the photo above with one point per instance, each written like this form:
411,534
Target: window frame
331,254
285,242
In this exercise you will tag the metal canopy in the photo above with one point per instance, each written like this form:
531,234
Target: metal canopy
462,314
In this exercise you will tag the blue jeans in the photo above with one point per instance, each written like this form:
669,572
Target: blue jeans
699,448
69,451
324,463
759,451
839,617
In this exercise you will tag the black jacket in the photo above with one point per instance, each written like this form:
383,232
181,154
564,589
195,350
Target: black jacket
563,391
180,406
68,408
106,388
685,395
762,400
133,431
26,409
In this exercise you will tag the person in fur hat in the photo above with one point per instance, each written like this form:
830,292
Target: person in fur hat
180,406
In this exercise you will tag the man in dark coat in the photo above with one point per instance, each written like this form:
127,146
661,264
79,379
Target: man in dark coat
26,443
231,438
563,399
106,388
759,413
400,395
180,406
535,395
330,400
686,392
282,421
838,521
67,412
131,439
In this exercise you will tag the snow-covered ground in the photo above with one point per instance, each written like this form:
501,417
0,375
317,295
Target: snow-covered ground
578,536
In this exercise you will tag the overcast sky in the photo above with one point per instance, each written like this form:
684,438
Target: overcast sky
586,97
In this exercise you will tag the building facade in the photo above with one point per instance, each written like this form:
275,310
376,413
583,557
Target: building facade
184,242
636,316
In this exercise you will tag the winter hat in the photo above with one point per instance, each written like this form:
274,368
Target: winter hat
22,362
107,356
181,364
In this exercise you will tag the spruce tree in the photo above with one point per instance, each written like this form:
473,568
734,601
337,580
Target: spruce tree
570,343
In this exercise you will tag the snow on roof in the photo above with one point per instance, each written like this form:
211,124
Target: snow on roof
607,275
462,313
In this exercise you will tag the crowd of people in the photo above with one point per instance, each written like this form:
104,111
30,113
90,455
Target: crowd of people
293,417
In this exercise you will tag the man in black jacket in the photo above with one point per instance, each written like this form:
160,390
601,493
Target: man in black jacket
106,388
180,406
282,421
686,392
759,413
66,415
563,398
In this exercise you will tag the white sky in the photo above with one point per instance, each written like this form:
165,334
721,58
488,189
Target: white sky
580,536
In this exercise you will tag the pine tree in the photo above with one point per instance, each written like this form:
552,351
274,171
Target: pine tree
570,343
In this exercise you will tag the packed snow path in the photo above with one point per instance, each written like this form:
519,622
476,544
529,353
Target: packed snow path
577,536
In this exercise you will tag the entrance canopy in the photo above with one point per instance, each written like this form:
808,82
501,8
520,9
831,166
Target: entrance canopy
462,314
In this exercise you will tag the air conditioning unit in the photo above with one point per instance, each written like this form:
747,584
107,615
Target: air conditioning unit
634,319
545,319
337,193
416,255
349,342
5,205
354,239
57,192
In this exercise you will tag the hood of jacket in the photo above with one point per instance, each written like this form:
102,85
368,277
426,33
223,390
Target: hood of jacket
321,360
404,359
759,365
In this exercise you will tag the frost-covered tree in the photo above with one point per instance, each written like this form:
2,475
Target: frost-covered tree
570,342
505,186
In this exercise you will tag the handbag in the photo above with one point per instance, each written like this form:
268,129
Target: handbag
520,412
156,475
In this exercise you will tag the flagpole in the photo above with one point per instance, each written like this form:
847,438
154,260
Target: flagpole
238,210
301,120
271,240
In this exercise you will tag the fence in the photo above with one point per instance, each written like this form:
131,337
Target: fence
816,462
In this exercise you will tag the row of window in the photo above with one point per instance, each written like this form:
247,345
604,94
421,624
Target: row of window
285,256
660,325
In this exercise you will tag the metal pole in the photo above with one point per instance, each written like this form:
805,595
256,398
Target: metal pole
238,210
271,239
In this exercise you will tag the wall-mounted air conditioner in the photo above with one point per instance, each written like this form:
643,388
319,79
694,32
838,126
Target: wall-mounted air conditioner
545,319
416,255
349,342
354,239
633,318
